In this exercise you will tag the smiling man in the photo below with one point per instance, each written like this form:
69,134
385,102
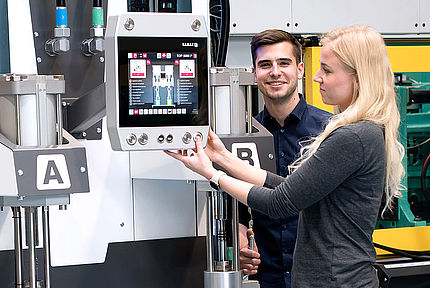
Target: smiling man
276,57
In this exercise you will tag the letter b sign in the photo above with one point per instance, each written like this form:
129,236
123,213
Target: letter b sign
247,152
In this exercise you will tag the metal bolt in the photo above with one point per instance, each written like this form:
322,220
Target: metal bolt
64,103
98,130
36,34
270,156
122,224
39,60
129,24
385,279
20,172
21,198
83,169
190,182
102,59
196,25
84,134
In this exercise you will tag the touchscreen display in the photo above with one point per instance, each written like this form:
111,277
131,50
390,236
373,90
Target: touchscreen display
163,82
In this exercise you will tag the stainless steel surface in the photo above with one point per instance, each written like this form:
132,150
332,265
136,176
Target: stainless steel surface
18,113
250,284
30,100
46,246
230,279
59,120
209,232
30,235
18,246
41,113
213,108
249,108
235,231
237,104
220,217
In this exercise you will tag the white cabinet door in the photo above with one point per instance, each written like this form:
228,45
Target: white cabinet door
386,16
249,17
424,16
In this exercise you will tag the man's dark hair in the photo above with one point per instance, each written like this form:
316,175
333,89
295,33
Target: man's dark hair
274,36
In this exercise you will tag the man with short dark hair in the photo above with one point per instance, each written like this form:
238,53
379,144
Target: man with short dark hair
276,57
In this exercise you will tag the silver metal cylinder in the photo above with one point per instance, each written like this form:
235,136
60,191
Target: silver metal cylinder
230,279
18,246
213,108
30,235
235,236
238,105
59,120
229,98
209,232
31,101
249,108
46,246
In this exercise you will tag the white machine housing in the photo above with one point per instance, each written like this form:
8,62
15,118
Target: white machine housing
164,130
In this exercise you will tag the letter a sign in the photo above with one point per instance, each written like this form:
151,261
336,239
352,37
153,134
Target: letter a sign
52,173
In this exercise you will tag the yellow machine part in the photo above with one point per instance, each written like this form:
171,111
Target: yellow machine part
408,238
403,59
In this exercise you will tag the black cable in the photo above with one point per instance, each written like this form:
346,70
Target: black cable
419,144
97,3
415,255
215,18
224,33
423,177
61,3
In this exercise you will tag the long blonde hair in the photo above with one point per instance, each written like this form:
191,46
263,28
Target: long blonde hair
362,52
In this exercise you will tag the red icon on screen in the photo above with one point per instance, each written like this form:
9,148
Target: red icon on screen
195,55
134,55
176,62
136,111
144,55
163,55
148,62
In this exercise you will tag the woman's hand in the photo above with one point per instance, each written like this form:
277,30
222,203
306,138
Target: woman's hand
198,162
215,149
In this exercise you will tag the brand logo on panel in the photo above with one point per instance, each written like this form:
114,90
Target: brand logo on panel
52,173
247,152
190,44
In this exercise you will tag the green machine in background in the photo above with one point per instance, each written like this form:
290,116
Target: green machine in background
413,208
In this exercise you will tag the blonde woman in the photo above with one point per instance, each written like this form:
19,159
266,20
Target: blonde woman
340,178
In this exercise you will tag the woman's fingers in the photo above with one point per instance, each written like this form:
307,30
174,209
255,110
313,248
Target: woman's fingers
199,144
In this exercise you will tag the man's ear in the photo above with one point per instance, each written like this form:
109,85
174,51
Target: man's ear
300,70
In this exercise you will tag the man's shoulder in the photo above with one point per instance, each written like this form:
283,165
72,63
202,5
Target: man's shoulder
259,116
317,112
315,116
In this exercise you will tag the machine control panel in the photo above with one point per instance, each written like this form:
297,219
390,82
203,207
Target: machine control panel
156,81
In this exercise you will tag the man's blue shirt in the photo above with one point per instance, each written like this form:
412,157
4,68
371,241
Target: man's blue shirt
276,238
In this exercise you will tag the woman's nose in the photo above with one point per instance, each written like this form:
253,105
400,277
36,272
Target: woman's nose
317,77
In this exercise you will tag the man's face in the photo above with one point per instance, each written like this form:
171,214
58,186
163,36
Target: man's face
276,71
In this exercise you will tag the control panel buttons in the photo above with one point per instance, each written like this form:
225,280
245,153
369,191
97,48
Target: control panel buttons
187,138
143,139
131,139
169,138
200,135
160,138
